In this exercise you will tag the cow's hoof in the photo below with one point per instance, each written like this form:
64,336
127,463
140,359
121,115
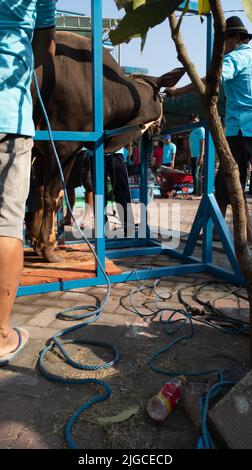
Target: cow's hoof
54,258
37,250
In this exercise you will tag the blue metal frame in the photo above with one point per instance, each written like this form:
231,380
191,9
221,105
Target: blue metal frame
208,211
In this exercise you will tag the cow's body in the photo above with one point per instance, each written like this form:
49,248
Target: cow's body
66,89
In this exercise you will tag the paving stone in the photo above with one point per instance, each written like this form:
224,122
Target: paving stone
18,384
26,299
64,324
37,332
6,443
112,304
77,297
28,357
231,417
25,309
29,440
16,412
18,319
44,318
9,430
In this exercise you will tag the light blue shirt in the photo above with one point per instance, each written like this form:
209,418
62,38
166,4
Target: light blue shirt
124,152
237,81
18,19
168,152
196,136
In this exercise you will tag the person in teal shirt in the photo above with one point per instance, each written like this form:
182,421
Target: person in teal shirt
169,152
197,149
26,26
237,82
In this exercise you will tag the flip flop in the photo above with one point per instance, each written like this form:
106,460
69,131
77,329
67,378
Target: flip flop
23,337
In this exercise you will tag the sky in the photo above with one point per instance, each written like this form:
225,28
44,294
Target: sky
159,55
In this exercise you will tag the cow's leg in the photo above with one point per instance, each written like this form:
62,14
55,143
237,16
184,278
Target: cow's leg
38,172
37,220
48,241
53,186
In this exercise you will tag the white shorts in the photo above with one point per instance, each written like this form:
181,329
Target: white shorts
15,168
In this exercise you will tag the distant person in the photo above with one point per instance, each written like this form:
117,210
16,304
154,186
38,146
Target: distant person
197,150
136,159
169,152
158,155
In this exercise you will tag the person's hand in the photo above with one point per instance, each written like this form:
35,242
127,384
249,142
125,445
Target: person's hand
201,162
170,92
172,165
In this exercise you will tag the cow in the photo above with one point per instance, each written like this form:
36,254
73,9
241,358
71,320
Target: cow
65,84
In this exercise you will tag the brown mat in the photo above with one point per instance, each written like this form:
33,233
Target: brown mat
78,264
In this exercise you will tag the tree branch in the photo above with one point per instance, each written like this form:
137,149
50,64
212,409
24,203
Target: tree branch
184,58
214,73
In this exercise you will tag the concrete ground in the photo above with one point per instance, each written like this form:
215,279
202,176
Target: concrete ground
34,410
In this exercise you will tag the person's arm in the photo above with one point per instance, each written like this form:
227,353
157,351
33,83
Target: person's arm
43,43
189,156
202,146
230,69
173,91
202,152
174,155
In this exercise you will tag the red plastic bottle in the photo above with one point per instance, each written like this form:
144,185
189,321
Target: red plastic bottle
162,404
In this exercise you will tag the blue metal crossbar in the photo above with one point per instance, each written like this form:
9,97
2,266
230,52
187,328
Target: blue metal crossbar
207,215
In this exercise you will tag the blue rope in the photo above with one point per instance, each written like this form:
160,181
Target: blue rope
90,314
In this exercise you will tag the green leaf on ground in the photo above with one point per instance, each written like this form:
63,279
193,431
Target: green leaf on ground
121,417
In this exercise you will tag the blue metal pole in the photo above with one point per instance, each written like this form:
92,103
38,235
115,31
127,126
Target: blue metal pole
209,165
98,128
144,150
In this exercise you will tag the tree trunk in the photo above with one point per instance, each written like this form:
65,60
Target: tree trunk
232,178
209,95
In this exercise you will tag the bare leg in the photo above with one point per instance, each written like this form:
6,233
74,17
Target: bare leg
11,262
71,198
89,205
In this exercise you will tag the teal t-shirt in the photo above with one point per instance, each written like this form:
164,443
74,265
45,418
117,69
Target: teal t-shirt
237,81
18,19
168,151
196,136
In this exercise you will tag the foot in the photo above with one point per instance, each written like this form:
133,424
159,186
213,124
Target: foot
51,256
9,341
37,250
54,258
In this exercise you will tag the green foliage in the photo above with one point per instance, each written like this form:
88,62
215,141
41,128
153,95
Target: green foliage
247,4
141,15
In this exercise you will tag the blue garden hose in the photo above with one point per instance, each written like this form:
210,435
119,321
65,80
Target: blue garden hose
90,315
